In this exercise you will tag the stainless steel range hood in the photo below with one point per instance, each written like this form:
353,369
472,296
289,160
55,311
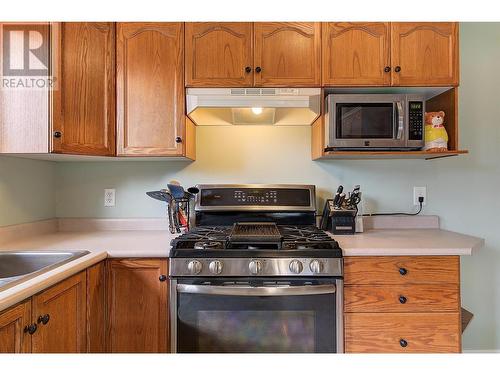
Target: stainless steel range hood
253,106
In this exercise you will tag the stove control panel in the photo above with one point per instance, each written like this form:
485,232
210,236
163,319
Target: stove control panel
241,197
243,267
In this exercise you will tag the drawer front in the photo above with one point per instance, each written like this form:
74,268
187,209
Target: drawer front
401,270
402,298
402,333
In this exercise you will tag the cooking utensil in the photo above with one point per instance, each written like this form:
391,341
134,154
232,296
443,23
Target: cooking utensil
178,205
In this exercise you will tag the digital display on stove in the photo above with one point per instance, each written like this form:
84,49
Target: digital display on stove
255,197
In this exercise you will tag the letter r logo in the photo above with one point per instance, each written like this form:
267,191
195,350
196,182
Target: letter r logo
25,49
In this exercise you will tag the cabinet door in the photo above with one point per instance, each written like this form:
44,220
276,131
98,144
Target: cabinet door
150,88
402,333
24,112
219,54
137,302
424,54
13,339
356,54
60,313
84,101
287,53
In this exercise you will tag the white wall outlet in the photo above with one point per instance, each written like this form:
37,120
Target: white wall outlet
419,191
109,197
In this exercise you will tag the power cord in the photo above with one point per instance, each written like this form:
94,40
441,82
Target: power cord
420,201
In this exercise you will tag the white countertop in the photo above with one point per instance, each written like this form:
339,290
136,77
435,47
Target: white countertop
156,243
394,242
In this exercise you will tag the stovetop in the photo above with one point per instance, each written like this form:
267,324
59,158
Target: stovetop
255,239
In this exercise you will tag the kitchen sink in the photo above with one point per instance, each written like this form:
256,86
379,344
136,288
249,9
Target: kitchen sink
19,266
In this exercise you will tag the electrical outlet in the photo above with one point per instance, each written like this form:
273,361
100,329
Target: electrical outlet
109,197
419,191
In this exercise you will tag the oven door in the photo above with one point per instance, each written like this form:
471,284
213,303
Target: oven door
257,316
367,121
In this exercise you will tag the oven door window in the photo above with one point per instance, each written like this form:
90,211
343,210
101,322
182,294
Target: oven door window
365,120
255,324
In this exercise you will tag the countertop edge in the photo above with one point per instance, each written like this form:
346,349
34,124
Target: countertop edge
23,291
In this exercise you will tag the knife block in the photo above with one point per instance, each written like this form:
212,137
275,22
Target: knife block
342,221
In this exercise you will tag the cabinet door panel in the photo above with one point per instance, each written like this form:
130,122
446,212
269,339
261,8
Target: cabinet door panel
84,102
24,113
137,302
427,53
399,270
422,333
13,339
289,53
402,298
356,53
65,304
150,88
217,54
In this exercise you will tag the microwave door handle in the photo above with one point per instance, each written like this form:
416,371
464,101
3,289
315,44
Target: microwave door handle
399,119
258,291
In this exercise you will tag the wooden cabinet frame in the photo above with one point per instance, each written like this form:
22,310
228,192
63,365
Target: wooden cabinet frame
86,119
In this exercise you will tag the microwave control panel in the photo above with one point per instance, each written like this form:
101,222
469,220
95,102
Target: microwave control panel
416,120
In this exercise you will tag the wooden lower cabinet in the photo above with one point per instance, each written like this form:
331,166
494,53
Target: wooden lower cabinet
60,313
405,333
137,306
13,339
96,308
408,304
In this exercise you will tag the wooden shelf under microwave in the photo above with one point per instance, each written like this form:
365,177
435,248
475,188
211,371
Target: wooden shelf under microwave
427,155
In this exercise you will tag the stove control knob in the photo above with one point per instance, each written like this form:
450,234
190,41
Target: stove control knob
296,266
194,267
255,267
215,267
316,266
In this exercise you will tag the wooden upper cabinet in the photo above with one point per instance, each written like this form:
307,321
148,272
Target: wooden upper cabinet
137,303
150,88
219,54
287,54
424,54
356,54
84,102
13,339
60,313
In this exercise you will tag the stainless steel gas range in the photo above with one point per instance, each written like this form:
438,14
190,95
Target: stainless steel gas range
255,275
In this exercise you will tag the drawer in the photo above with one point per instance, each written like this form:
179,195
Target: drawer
402,298
401,270
402,333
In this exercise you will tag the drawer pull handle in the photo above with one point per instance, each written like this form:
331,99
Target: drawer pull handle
402,299
43,319
403,271
403,343
31,329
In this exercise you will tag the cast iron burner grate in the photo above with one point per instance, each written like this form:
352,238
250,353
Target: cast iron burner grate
255,232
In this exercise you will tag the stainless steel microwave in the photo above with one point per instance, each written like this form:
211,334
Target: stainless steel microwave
374,122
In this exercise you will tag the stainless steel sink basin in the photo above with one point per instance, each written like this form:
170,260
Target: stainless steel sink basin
19,266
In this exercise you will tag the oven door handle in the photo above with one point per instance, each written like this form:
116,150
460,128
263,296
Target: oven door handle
259,291
400,119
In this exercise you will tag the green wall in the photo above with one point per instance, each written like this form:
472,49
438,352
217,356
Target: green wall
27,190
460,189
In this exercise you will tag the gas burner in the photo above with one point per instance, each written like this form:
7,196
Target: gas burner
208,245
